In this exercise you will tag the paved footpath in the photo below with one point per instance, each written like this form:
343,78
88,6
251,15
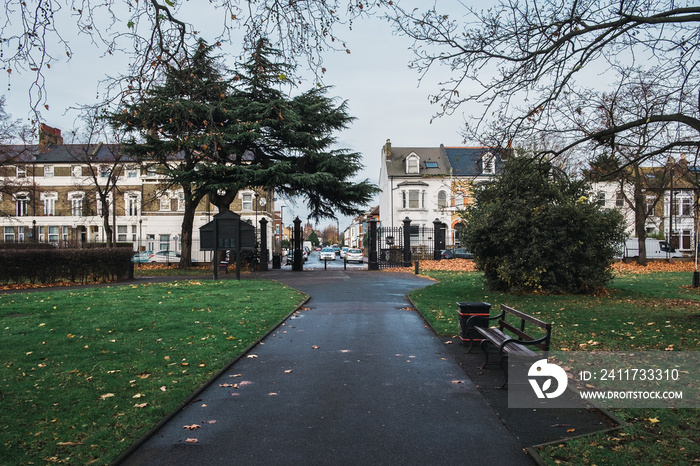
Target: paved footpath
354,378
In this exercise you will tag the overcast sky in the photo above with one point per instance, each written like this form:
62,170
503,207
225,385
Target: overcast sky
382,93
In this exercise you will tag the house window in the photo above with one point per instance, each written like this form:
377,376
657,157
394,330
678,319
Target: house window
49,200
9,234
22,200
104,171
442,200
41,234
431,165
64,233
134,232
247,202
132,204
53,234
600,198
619,199
459,199
180,201
21,171
651,205
48,171
687,207
489,164
413,199
20,233
132,171
76,204
76,171
412,162
165,202
122,231
151,242
164,242
100,210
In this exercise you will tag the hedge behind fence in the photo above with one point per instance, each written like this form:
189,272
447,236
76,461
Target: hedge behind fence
71,265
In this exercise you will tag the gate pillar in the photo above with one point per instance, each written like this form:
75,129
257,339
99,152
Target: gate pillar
298,263
407,242
438,239
263,244
373,263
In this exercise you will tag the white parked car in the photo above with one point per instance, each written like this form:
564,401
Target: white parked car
327,254
164,256
354,255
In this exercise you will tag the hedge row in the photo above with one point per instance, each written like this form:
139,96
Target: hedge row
72,265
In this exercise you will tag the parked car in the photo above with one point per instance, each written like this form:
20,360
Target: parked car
142,256
343,252
459,253
327,254
164,256
354,255
336,249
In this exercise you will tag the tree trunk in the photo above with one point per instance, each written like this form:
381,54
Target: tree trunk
640,218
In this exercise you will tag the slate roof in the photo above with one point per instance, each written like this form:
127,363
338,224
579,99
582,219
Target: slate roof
458,161
467,161
397,165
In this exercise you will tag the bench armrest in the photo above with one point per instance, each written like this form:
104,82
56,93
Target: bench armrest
522,342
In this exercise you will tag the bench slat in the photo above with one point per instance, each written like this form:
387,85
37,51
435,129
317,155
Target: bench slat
527,318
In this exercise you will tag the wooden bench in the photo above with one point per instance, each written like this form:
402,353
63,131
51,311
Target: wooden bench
516,341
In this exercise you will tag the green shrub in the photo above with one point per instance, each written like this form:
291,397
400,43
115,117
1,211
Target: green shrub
531,232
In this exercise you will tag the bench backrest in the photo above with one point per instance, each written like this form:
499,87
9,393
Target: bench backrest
520,332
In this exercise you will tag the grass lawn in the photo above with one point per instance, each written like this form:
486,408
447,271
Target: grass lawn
653,312
86,372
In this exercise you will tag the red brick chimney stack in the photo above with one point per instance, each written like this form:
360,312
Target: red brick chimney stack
49,135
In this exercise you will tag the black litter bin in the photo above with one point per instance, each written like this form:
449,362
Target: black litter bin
277,261
467,310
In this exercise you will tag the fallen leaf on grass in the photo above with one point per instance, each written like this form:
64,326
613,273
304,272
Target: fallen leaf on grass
140,405
69,444
653,420
138,395
162,389
106,395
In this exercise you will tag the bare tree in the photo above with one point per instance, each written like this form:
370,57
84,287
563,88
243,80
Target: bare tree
517,61
103,165
153,33
14,151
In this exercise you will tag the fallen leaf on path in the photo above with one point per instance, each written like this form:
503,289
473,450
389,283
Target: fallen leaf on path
191,440
192,427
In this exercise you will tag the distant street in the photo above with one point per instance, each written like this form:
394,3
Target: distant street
315,263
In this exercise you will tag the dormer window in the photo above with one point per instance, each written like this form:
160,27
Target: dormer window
412,164
489,164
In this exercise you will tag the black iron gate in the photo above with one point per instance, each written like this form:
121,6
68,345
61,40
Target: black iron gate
390,250
400,246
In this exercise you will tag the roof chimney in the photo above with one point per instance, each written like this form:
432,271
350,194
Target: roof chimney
49,135
387,149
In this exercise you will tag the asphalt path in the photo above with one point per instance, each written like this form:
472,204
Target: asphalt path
354,377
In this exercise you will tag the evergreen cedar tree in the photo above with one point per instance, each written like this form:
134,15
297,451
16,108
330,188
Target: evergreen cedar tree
531,231
213,131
